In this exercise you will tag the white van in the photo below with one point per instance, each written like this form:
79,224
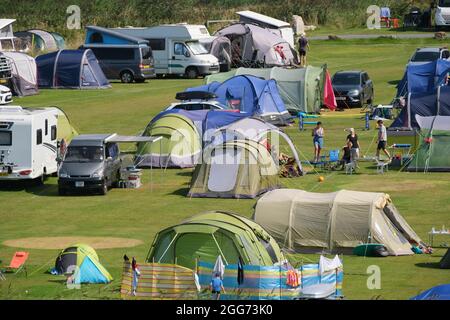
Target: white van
28,143
442,16
177,49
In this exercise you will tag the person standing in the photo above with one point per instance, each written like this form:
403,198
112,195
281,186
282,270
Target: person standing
136,274
216,286
318,134
382,140
303,47
353,138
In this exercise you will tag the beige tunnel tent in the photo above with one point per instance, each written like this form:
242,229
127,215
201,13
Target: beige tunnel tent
336,222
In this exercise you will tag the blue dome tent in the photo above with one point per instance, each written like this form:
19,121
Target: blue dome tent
70,69
251,95
422,78
441,292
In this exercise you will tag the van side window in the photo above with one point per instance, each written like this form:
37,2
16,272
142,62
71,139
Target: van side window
96,37
179,49
157,44
39,137
53,133
46,127
114,53
445,54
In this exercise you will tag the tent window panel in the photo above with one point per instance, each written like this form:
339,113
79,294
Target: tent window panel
46,127
88,76
224,170
227,247
190,246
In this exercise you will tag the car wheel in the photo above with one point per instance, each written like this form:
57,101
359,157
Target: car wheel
104,189
191,73
126,77
40,180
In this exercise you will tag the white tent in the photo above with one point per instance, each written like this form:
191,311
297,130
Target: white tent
336,222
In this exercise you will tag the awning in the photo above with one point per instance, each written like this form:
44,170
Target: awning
121,139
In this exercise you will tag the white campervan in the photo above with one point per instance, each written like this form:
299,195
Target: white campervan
177,49
442,16
28,142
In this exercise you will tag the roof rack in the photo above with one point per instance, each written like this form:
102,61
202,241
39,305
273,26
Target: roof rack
195,95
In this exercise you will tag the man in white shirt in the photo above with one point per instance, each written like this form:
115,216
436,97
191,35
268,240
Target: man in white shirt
382,140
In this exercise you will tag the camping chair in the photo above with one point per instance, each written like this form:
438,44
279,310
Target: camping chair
333,160
17,263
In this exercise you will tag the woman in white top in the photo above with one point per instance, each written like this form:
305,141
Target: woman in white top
318,134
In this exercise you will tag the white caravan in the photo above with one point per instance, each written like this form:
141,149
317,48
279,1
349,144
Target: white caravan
442,15
177,49
28,142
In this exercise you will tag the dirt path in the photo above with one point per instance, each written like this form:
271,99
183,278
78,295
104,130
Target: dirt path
64,242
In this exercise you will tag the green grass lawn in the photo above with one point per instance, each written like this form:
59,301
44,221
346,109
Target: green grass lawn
39,212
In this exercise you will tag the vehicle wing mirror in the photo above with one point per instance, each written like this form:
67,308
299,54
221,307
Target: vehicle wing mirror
187,54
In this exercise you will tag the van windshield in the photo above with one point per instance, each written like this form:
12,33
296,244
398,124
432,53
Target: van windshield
196,48
444,3
84,154
424,56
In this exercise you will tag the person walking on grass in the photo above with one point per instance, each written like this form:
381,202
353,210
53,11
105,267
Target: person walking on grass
353,139
382,140
216,286
318,134
303,47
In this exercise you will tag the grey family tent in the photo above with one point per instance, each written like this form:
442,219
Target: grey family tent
39,41
220,47
251,95
254,46
70,69
445,261
427,104
433,154
334,222
206,236
234,169
258,130
23,73
302,89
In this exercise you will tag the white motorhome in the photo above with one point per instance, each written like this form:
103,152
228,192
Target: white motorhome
442,15
284,28
28,142
177,49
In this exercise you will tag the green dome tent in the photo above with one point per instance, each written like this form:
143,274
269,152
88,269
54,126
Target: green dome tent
206,236
65,129
82,260
234,169
433,154
302,89
180,145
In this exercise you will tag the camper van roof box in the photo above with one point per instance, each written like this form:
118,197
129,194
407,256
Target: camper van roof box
195,95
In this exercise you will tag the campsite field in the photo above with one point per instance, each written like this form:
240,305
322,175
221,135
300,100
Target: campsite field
31,211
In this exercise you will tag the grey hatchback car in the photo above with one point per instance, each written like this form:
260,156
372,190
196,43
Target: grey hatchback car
352,88
90,163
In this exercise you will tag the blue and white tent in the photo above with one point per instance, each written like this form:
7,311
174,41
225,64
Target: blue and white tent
251,95
70,69
425,77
